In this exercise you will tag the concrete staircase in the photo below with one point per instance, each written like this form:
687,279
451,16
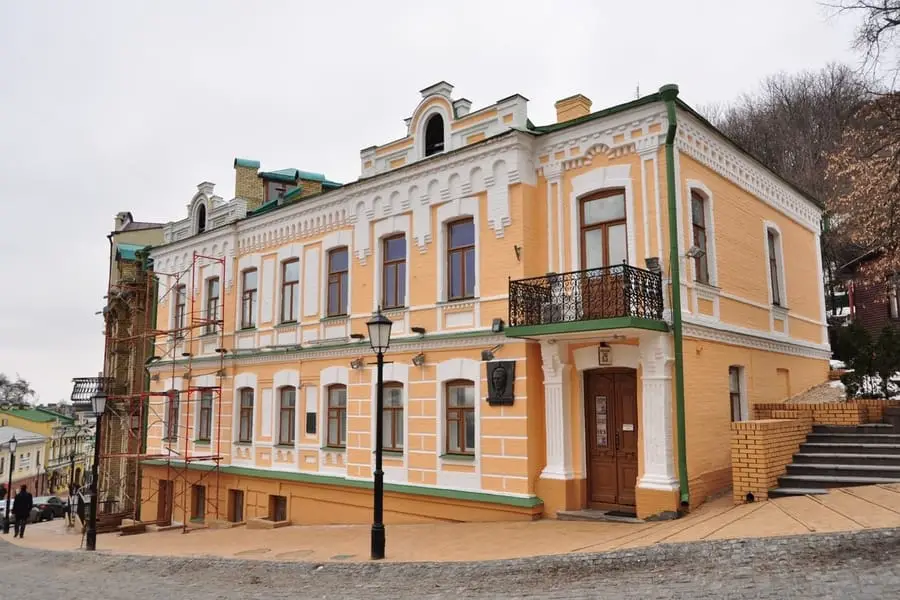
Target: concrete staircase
843,456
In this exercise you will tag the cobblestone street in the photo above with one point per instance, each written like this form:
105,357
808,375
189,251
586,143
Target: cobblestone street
847,565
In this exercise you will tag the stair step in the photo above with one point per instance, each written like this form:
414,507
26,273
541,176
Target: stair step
838,470
841,458
870,428
782,492
859,438
831,481
849,448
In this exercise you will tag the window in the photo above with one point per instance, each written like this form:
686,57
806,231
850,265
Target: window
38,458
236,506
201,218
198,502
212,304
392,433
205,421
434,135
337,416
172,416
698,216
337,282
245,427
180,309
894,296
275,190
604,237
288,403
248,298
461,259
393,280
735,375
290,284
461,417
2,464
774,279
310,415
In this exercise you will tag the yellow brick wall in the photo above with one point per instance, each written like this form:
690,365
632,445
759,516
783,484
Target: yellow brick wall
760,453
249,186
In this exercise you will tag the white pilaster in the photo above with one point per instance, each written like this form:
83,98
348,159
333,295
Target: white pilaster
656,379
556,411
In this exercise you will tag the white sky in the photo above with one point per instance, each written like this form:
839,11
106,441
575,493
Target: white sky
111,106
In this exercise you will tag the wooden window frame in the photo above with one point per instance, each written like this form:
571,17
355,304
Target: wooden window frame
290,439
774,266
394,413
245,415
204,417
460,421
249,299
736,397
342,280
604,225
701,263
463,250
294,287
386,264
180,311
173,408
337,414
212,305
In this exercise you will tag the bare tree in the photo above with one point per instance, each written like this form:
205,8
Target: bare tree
16,392
878,36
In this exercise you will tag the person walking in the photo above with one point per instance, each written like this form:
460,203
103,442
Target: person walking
22,509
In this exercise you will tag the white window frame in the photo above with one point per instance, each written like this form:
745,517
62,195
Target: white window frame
435,108
245,380
742,382
385,228
709,215
331,241
448,212
779,259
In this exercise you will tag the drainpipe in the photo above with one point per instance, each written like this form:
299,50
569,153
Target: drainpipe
668,93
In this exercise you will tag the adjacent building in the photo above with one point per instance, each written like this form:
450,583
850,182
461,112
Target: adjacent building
533,273
874,301
30,452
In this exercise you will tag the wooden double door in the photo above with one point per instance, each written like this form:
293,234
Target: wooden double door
610,405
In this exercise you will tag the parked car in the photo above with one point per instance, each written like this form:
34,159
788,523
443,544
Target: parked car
33,517
49,507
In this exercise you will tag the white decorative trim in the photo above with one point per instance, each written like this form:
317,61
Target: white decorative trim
245,263
595,180
557,411
393,373
710,149
748,338
823,317
336,239
420,122
385,228
779,251
498,198
656,415
706,292
710,216
455,209
449,370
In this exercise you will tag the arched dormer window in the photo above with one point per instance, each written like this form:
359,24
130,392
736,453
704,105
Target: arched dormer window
434,135
201,218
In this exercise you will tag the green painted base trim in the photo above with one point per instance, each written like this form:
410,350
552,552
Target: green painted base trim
530,502
582,326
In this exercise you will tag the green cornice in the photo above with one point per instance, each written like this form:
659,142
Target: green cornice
582,326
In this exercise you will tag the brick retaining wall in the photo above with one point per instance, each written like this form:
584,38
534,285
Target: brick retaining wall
761,451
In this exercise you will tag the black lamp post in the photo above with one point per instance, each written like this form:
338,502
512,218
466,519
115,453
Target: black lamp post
99,405
380,339
13,442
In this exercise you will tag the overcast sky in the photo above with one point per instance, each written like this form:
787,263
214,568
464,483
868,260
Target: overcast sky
127,105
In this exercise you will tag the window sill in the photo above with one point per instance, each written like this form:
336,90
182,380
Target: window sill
242,443
209,334
331,318
286,324
285,445
451,457
201,442
457,301
246,329
334,448
777,308
391,453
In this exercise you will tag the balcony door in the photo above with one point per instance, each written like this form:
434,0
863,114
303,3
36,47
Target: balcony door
604,249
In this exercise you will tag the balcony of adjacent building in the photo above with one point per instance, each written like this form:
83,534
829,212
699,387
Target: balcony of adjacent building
605,298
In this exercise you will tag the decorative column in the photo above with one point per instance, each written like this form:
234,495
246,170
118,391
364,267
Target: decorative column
656,379
556,411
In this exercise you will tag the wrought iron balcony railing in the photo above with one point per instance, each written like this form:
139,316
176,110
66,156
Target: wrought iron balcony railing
604,293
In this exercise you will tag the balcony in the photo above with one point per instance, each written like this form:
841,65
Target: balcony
617,297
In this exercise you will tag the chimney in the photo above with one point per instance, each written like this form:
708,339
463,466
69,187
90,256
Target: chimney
247,184
572,108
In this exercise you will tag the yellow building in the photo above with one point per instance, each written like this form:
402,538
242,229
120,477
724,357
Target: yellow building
546,252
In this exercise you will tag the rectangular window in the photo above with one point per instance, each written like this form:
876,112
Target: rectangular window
338,266
172,415
698,216
337,416
460,417
245,433
180,310
290,285
248,298
392,433
738,410
236,506
894,297
212,305
276,190
394,272
205,422
773,267
288,403
461,259
198,502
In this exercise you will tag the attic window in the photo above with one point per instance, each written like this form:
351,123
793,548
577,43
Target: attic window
201,218
434,135
276,190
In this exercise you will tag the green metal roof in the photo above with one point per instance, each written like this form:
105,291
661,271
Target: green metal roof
39,415
128,251
246,162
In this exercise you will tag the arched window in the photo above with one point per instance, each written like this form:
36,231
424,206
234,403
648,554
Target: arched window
245,430
460,409
434,135
201,218
286,415
699,224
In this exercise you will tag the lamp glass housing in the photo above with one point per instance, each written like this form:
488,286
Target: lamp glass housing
380,332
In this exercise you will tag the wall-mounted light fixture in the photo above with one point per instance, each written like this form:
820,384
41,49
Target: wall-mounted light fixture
652,264
419,330
356,363
487,355
357,336
497,325
694,252
419,359
518,250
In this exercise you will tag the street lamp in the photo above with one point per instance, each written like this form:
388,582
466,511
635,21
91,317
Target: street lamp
13,442
380,340
98,403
